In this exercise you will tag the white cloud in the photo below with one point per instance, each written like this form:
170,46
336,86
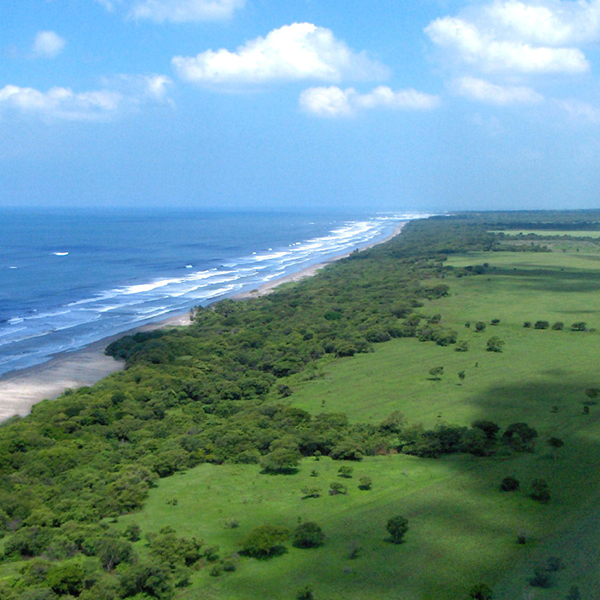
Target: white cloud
335,102
546,22
293,52
181,11
479,46
48,44
484,91
61,103
580,110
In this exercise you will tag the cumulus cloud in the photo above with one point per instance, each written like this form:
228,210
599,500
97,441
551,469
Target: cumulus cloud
61,103
579,110
48,44
335,102
180,11
484,91
538,36
290,53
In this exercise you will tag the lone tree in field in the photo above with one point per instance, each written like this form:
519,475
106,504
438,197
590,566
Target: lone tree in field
494,344
265,541
308,535
510,484
556,444
436,372
540,491
481,591
397,528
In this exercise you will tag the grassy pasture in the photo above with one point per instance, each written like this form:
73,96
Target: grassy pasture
549,233
462,529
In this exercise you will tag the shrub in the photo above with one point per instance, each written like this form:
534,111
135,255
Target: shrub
308,535
558,326
541,325
305,593
579,326
527,324
510,484
345,472
480,326
481,591
495,322
397,528
540,491
366,483
494,344
336,488
461,346
265,541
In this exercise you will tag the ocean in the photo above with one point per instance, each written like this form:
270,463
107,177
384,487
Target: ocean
70,278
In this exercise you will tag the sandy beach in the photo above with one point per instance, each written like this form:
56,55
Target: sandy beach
20,390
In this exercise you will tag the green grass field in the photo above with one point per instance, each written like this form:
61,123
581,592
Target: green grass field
550,233
463,530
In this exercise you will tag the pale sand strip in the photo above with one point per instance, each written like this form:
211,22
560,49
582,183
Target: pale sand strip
20,390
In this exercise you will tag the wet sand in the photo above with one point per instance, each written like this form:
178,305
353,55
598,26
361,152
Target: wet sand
20,390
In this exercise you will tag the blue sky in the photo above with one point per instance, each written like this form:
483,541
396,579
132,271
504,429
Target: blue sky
423,105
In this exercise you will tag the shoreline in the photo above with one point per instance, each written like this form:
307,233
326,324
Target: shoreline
21,389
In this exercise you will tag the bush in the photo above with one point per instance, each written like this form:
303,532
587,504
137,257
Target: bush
510,484
558,326
480,326
540,491
397,528
308,535
305,593
527,324
265,541
336,488
366,483
494,344
541,325
579,326
481,591
346,472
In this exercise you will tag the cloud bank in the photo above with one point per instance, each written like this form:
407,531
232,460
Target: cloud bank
61,103
520,37
335,102
291,53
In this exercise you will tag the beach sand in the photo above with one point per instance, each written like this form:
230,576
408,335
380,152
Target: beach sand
20,390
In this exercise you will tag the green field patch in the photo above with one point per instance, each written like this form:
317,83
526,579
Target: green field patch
549,233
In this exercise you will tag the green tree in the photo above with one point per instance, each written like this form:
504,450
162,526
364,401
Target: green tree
481,591
265,541
479,326
494,344
305,593
436,372
510,484
308,535
345,472
540,491
281,460
397,527
66,578
366,483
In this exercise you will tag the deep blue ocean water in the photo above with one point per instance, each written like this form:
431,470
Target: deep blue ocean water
70,278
